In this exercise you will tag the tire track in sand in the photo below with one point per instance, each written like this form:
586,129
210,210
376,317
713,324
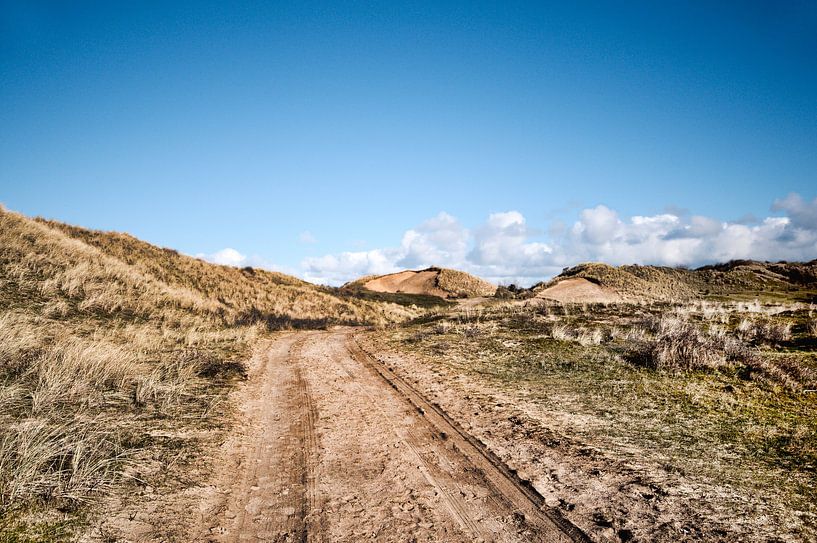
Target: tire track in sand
339,448
510,489
276,499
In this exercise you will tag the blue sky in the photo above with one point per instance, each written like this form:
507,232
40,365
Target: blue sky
332,139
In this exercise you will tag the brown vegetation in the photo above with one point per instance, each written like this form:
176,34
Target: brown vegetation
108,344
737,280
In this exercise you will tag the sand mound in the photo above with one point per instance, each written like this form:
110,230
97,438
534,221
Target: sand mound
738,279
440,282
408,282
579,290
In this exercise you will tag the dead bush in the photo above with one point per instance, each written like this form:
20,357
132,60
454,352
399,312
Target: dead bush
590,337
442,327
679,346
561,333
770,332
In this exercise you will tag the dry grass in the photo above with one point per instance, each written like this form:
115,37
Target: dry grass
679,345
705,396
464,285
104,339
70,396
744,281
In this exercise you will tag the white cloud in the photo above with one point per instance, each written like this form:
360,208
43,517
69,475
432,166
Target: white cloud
231,257
227,256
803,213
505,249
499,250
436,241
338,269
597,225
672,240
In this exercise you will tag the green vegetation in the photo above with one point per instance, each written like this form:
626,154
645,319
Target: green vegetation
710,394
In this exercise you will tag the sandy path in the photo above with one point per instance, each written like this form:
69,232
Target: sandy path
341,449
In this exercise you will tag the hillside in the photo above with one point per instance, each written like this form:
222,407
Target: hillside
439,282
736,280
116,358
234,295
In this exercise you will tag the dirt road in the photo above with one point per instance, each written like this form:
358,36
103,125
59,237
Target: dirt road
339,448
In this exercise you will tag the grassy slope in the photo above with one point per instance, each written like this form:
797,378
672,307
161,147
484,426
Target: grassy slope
115,360
738,280
739,429
238,294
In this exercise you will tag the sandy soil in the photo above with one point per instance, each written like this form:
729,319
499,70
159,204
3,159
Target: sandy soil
343,440
611,497
336,447
408,282
578,290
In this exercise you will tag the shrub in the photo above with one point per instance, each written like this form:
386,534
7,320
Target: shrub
590,337
769,331
442,327
679,345
745,326
561,333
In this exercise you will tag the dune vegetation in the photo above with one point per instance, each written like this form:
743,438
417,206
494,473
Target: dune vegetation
648,421
115,360
696,387
428,284
738,280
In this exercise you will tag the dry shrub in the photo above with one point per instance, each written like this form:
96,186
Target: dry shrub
745,327
680,346
442,327
473,330
590,337
769,331
581,335
561,333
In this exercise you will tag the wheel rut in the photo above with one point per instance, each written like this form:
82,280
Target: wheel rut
508,488
276,498
337,447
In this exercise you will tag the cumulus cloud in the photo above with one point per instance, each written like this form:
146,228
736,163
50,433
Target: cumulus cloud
673,241
227,256
343,267
231,257
803,214
506,249
597,225
503,249
440,239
